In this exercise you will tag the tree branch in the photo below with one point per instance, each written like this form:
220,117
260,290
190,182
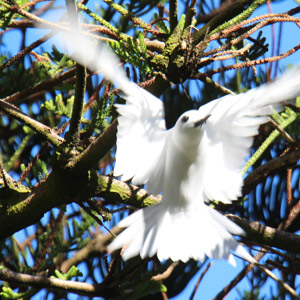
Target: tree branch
95,246
97,149
227,14
173,14
122,192
25,51
266,235
69,286
43,86
38,127
60,188
262,172
72,136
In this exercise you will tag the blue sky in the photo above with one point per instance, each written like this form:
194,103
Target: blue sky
221,273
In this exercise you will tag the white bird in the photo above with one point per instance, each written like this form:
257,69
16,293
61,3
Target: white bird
198,160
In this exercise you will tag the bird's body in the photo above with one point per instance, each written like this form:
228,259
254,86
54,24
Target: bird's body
198,160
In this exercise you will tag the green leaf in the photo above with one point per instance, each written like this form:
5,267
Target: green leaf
8,293
40,170
73,272
59,107
161,24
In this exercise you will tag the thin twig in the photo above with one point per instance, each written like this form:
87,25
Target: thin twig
216,85
50,239
260,173
25,51
280,282
43,86
38,127
199,280
284,134
247,64
221,295
166,273
77,287
15,8
294,213
95,246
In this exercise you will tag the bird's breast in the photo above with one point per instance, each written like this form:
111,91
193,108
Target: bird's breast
177,165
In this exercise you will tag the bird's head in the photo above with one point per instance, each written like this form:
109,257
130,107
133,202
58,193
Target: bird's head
191,121
189,126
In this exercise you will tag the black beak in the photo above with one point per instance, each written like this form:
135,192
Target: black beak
201,122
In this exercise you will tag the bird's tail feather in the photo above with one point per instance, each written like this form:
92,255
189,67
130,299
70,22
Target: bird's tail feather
179,235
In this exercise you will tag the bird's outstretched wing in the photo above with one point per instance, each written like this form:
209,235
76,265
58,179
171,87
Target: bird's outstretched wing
141,139
141,130
228,135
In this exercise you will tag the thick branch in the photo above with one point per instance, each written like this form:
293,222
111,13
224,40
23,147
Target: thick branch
74,132
173,14
72,136
63,187
122,192
266,235
17,213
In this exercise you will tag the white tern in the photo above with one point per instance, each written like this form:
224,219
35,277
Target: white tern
198,160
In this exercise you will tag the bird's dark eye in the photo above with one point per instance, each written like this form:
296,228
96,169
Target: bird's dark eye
184,119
